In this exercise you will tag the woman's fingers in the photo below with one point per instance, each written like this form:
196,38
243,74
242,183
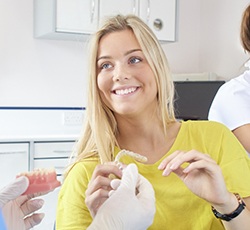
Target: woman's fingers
99,186
201,164
100,182
106,170
96,199
168,159
178,158
101,177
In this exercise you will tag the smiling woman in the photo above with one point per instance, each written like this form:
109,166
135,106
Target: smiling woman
130,107
126,82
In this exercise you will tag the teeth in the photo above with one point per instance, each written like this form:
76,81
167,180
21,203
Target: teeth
125,91
37,172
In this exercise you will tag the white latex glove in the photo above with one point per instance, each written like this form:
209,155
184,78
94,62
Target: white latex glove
130,207
15,207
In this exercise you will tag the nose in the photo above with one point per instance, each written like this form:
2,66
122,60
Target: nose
121,73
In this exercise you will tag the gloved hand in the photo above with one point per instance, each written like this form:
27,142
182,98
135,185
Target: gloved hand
130,207
15,207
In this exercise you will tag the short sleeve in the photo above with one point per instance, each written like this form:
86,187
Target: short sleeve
72,212
234,163
231,105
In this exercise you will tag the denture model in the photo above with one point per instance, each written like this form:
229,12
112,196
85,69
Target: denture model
41,180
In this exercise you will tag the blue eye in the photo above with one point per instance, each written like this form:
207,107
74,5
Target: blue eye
106,66
134,60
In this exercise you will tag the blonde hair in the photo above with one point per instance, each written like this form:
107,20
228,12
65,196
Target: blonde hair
100,128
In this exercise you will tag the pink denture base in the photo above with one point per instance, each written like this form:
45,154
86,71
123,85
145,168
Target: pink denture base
41,181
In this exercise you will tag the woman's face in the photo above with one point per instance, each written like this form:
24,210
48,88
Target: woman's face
126,82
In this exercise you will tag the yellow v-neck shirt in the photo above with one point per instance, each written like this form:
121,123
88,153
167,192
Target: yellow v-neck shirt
176,206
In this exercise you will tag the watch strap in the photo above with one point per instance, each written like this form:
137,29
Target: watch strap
235,213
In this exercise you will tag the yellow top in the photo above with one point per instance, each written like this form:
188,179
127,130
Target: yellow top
176,206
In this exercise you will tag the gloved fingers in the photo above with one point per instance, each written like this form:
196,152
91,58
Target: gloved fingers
115,183
33,195
13,190
146,193
129,177
31,206
33,220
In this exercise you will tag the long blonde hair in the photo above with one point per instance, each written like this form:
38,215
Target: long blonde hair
100,127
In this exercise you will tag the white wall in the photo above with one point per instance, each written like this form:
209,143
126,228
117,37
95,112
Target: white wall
183,55
36,72
221,49
208,38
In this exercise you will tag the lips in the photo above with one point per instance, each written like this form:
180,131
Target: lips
125,91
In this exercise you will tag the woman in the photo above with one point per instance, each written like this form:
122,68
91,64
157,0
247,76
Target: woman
192,165
231,105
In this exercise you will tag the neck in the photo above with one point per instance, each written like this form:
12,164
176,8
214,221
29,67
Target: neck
146,138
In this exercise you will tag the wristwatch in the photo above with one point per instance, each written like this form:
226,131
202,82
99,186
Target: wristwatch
235,213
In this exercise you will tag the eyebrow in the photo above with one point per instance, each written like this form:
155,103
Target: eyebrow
128,52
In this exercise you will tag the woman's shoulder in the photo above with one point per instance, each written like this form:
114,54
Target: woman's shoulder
211,133
205,126
236,84
203,123
84,167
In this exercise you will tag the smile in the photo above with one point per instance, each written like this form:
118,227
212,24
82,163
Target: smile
125,91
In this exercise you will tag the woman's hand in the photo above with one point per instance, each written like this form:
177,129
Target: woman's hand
202,175
99,186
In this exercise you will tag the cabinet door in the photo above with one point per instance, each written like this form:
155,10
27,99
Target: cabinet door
57,149
160,16
76,16
58,164
113,7
49,208
47,155
50,199
14,158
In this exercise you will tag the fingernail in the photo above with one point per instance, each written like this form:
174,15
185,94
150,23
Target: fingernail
173,166
160,167
166,173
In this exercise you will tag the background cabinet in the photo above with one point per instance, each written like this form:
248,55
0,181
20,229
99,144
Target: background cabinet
76,16
38,137
64,19
10,153
22,157
159,15
76,19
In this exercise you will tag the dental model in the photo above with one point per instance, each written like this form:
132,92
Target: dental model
124,152
41,180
